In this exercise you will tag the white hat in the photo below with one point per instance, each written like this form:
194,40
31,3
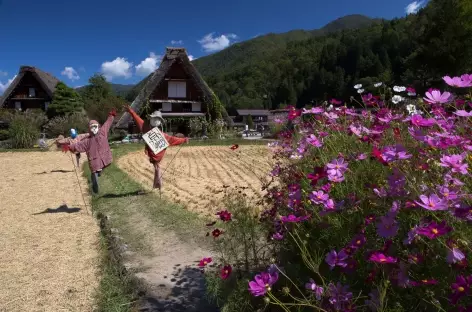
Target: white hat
156,114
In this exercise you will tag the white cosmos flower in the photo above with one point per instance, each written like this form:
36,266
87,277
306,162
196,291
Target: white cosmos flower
330,108
399,88
358,86
396,99
378,84
360,91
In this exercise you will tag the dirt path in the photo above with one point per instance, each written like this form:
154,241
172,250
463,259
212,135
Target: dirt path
196,179
48,242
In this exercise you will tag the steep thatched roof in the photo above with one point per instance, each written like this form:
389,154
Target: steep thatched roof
179,56
47,81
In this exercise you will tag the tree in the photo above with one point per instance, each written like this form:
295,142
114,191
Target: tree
249,122
99,98
65,101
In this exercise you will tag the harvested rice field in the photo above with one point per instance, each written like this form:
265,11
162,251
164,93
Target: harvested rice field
199,175
48,241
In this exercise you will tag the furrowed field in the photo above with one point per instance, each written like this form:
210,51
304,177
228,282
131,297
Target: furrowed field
198,175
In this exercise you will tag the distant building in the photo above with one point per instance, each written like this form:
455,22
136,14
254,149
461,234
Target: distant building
32,88
177,90
259,118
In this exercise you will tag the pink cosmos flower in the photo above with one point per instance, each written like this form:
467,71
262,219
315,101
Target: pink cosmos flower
455,162
381,258
418,120
436,97
318,197
433,202
204,262
463,113
458,82
313,110
314,141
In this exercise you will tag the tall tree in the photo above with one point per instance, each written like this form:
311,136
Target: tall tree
65,101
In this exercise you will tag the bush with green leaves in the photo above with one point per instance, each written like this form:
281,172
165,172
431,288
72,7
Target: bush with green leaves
62,124
25,128
65,101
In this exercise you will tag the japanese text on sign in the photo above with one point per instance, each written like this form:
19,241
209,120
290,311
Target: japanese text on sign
155,140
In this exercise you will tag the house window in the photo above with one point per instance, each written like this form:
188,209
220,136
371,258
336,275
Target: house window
196,107
166,107
177,89
46,105
32,92
18,105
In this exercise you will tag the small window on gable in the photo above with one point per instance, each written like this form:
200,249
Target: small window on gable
177,89
46,105
32,92
18,105
196,107
166,107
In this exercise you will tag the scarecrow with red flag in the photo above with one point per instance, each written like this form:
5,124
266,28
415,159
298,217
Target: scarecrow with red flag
156,141
96,147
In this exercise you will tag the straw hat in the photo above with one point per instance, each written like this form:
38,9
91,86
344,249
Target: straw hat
156,114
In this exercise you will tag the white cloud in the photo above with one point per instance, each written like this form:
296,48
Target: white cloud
191,57
3,87
177,42
413,7
119,67
148,65
3,73
211,44
71,73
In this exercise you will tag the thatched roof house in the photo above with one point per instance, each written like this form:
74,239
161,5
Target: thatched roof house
31,88
178,90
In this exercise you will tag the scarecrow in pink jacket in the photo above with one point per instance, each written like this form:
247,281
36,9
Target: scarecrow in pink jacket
96,146
74,138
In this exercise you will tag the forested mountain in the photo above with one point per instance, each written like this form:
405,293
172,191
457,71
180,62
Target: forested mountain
117,89
303,67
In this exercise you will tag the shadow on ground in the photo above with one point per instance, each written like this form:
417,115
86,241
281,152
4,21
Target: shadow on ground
185,291
55,171
60,209
137,193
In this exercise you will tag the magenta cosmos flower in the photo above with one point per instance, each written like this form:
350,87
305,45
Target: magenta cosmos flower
381,258
262,283
434,230
226,271
433,202
317,290
436,97
460,288
204,262
318,197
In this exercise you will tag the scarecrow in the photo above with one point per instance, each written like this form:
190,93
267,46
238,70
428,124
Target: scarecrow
155,121
96,146
74,138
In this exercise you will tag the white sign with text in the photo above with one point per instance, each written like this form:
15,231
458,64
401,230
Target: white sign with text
156,141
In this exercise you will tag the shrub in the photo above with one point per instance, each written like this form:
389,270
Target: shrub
63,124
371,211
4,134
24,130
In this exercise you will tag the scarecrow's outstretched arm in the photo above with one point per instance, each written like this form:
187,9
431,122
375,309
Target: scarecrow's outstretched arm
107,125
136,118
81,147
174,140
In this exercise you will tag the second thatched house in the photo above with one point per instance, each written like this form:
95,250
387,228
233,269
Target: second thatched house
179,92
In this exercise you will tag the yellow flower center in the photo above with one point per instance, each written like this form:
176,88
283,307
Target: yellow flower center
435,231
446,194
358,242
204,262
424,281
461,289
431,205
383,260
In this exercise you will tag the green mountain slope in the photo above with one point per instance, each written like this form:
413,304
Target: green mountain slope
117,89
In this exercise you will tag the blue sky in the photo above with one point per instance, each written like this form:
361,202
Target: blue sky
73,39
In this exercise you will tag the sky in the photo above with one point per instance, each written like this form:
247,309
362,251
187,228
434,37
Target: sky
124,40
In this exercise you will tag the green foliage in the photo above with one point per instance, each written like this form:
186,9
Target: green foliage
24,130
243,246
4,134
65,101
249,122
99,98
276,69
62,124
